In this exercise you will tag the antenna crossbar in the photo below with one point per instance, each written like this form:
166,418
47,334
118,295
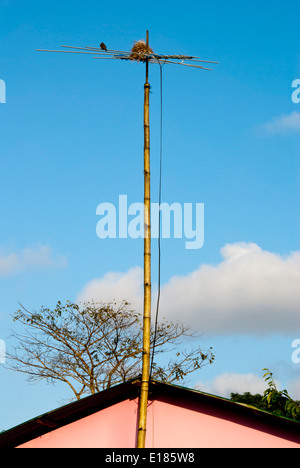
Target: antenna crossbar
142,56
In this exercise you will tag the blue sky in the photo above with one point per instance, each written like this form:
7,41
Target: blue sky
71,137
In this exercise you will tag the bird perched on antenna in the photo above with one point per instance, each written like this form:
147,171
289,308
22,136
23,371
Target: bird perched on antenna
103,46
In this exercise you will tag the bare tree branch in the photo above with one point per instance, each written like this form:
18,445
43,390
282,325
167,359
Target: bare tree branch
94,346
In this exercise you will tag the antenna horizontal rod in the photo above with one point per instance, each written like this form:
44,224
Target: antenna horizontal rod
181,57
188,65
149,55
98,50
119,57
66,51
116,57
125,55
106,58
109,50
156,60
122,55
203,61
89,50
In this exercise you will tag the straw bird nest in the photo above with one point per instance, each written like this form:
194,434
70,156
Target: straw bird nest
139,50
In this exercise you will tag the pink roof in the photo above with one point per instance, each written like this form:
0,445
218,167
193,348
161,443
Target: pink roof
177,417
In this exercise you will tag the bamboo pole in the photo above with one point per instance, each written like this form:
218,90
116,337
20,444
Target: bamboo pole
147,271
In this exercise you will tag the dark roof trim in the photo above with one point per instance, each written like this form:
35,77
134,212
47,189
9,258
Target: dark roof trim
68,413
130,389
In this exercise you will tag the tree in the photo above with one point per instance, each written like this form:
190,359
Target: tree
95,346
248,398
279,401
276,401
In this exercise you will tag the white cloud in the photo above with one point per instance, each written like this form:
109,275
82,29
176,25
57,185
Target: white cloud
116,287
284,123
40,257
251,291
225,384
229,382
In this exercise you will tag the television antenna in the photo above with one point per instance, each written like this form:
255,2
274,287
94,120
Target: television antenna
141,52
